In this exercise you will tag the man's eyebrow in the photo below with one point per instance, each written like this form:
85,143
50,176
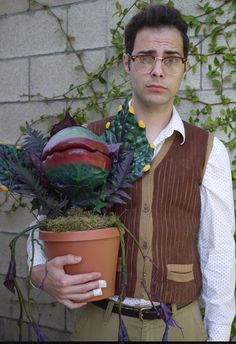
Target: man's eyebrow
153,51
172,52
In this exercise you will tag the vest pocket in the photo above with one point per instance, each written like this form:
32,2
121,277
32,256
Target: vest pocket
180,272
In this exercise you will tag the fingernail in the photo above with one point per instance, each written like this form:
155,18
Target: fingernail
97,292
77,259
102,284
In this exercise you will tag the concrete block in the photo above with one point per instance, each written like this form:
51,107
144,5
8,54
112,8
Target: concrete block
56,3
87,22
228,83
191,8
116,73
54,335
46,310
15,115
52,75
209,97
14,79
192,79
31,34
13,6
9,332
14,221
112,20
91,115
21,259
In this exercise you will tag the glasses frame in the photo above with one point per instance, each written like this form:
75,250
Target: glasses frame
155,58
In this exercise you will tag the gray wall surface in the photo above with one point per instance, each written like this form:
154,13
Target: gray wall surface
33,60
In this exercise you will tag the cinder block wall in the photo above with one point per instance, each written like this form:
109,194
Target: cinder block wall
32,61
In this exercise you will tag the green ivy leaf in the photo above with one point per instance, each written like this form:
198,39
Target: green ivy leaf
216,83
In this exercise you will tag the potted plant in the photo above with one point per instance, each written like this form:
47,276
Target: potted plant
72,175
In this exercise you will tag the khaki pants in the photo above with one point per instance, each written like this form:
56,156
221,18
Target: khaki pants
96,324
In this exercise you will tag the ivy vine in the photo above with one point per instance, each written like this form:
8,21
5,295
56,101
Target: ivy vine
213,28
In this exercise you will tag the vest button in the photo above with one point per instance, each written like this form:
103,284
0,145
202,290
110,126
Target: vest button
144,245
146,208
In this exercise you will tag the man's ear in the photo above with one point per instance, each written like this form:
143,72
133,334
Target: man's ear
126,62
186,69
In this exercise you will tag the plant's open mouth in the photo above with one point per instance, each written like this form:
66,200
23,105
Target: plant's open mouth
76,155
75,142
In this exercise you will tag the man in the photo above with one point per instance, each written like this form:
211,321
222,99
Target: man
186,196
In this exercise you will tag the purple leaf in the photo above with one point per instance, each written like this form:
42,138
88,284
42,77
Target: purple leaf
40,336
116,199
11,275
169,321
123,194
113,147
68,121
36,159
122,334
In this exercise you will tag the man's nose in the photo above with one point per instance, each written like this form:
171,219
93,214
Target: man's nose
157,69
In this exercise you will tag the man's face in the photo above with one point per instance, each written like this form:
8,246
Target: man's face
156,87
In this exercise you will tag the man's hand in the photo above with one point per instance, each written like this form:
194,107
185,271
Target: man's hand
70,290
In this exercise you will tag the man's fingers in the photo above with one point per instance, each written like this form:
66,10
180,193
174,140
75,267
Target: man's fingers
65,260
84,296
82,278
84,288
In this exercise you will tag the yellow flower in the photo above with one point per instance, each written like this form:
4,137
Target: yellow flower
119,108
131,109
3,188
141,124
146,168
18,147
108,125
152,145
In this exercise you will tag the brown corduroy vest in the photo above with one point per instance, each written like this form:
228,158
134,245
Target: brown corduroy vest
164,215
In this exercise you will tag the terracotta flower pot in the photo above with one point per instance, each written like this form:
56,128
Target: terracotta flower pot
98,249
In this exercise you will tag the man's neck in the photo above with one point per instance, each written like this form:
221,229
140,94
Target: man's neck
155,118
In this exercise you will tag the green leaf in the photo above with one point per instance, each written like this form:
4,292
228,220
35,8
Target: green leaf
22,129
118,6
225,100
228,57
216,83
102,80
216,61
210,19
220,49
78,68
204,58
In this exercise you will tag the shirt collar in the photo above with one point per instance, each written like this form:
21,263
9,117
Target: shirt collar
175,124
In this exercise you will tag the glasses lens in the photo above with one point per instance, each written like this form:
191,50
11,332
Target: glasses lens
172,65
144,63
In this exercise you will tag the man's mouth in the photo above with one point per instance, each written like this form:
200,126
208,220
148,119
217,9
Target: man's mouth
157,88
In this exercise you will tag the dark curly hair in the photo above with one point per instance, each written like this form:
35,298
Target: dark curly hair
156,16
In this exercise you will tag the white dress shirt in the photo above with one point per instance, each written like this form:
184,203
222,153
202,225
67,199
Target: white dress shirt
215,242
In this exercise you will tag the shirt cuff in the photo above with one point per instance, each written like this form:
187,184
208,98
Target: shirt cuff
218,333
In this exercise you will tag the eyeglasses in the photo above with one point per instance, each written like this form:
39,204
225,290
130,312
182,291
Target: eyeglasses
170,64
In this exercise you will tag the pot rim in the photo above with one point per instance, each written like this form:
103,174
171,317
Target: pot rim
103,233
